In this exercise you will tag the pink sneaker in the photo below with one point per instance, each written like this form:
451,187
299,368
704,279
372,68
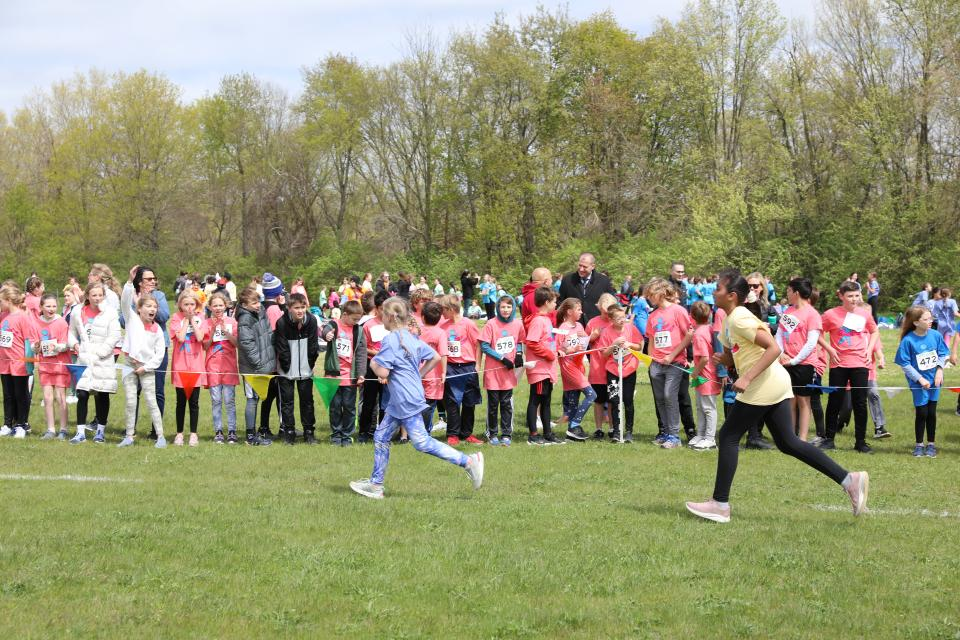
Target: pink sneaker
859,487
194,440
178,440
710,510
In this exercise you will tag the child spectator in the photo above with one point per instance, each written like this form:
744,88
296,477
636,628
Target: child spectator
704,367
350,350
541,349
500,340
297,349
461,393
617,343
436,339
922,354
221,366
571,344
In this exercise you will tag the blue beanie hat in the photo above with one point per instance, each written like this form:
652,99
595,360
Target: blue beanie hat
272,287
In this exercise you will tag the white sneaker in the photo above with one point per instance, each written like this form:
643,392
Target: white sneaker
694,441
71,399
539,424
706,443
366,488
439,425
5,431
20,433
474,469
858,490
710,510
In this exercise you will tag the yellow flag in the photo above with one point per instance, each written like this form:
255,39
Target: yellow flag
259,382
642,357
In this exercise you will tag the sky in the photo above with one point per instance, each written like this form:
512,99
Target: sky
196,42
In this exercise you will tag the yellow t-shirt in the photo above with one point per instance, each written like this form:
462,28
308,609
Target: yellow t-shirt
739,331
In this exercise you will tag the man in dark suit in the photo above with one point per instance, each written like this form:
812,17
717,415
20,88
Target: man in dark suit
586,284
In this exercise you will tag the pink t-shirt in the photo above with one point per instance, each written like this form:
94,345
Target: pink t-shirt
51,365
374,332
221,354
32,303
630,362
15,328
540,332
187,355
462,339
504,339
344,346
718,317
273,314
703,348
597,374
572,338
436,339
666,328
795,325
849,335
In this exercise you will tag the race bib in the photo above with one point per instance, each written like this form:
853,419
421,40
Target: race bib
662,340
221,333
343,347
927,360
6,339
620,353
453,348
572,342
790,322
48,348
378,333
854,322
505,345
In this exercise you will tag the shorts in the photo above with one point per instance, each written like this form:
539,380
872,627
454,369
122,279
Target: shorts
603,396
800,376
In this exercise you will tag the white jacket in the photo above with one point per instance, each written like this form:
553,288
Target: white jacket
96,349
143,347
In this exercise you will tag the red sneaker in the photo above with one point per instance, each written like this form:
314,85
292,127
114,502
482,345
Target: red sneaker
453,441
473,440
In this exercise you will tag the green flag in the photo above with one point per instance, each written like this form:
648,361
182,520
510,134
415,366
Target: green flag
327,387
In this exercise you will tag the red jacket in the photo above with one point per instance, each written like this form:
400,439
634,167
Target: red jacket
528,310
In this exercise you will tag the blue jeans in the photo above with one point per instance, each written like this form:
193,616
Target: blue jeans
220,395
250,410
575,410
419,437
343,414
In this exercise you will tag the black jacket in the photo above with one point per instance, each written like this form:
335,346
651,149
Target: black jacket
598,285
297,347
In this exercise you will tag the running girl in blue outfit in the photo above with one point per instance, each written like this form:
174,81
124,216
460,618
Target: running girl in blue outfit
921,355
402,362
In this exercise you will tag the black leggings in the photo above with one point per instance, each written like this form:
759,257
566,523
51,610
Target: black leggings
182,409
629,385
16,399
539,402
779,421
925,417
101,403
857,377
816,408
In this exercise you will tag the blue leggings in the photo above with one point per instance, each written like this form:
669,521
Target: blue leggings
575,410
420,439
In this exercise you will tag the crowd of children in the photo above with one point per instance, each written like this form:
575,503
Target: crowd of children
270,341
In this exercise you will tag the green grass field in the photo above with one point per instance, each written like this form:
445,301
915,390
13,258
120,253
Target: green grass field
574,541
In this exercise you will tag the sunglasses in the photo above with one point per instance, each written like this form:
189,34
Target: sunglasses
153,279
756,285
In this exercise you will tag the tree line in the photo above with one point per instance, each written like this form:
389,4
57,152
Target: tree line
729,136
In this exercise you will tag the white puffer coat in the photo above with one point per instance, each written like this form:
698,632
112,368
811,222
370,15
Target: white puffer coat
96,341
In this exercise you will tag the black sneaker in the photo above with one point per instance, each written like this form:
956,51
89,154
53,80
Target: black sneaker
551,438
232,438
827,444
881,432
758,443
266,433
257,440
862,447
535,439
289,436
598,434
628,438
576,434
153,434
218,438
308,437
364,440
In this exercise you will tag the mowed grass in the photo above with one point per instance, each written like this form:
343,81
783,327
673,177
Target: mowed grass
573,541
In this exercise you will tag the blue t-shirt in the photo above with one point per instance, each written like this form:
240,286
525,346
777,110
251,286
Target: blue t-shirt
404,395
641,311
923,353
709,288
943,312
489,292
693,294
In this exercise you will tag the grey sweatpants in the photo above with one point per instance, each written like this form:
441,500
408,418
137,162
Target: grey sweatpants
148,384
873,403
666,381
